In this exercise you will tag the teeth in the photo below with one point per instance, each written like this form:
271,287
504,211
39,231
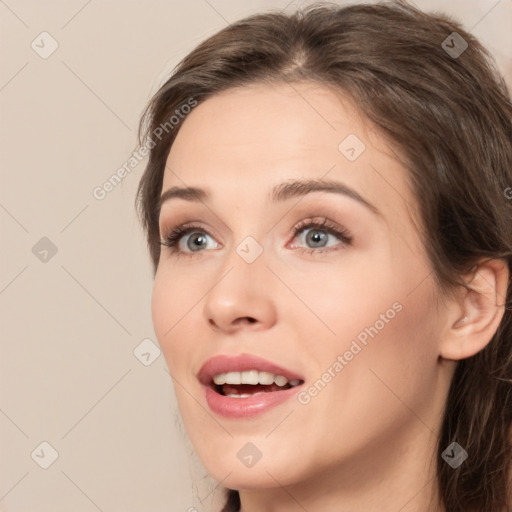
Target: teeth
266,378
220,379
233,378
280,380
252,377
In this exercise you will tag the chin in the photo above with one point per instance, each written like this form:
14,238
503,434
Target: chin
240,472
253,478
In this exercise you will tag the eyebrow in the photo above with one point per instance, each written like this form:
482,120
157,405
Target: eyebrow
281,192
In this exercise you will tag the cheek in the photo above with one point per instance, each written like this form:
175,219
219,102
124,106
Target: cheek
381,325
335,301
401,351
170,306
389,363
384,389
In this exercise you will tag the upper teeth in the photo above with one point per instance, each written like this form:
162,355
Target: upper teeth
252,377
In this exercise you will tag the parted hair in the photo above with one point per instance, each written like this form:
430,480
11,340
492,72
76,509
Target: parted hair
447,112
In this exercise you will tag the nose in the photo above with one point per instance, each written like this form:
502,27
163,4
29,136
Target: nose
242,297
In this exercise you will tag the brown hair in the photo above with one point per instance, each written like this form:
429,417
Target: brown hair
449,117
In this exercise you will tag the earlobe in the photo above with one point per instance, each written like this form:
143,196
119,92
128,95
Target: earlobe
478,311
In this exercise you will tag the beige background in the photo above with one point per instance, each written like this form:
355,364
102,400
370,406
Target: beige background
70,324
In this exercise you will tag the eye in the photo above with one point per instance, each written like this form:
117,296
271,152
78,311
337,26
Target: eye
317,232
194,243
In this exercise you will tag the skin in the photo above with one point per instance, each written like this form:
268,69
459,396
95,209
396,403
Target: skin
367,440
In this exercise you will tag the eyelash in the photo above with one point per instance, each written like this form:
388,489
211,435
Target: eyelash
175,234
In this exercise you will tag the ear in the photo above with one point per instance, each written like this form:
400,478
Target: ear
474,316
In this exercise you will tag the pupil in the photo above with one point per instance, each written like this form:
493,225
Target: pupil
317,235
195,241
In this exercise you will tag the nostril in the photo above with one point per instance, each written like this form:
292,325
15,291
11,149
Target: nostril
248,319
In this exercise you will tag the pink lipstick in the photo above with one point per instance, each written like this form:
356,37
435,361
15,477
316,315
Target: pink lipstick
244,386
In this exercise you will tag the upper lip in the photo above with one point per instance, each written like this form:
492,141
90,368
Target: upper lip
239,363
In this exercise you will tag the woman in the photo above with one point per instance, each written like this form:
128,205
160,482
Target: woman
328,207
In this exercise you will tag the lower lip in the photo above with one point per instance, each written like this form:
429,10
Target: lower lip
246,407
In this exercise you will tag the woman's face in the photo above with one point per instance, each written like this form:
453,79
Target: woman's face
346,307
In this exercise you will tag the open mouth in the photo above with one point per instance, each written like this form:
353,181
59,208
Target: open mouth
249,383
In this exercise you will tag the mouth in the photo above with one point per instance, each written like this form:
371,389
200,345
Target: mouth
244,385
251,382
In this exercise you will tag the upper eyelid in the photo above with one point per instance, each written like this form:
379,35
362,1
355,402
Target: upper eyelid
324,223
304,212
163,223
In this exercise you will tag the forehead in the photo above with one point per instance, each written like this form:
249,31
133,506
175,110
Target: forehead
287,121
240,143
